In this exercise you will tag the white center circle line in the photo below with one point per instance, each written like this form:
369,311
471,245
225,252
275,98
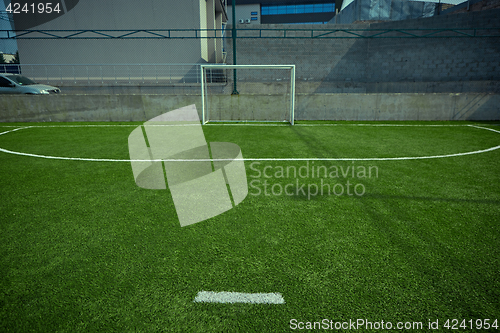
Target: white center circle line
251,159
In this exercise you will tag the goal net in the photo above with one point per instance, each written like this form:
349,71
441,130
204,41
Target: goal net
248,93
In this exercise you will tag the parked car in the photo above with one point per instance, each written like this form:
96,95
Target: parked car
18,84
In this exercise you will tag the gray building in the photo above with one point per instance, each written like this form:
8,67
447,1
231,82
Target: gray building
121,15
353,11
283,12
7,46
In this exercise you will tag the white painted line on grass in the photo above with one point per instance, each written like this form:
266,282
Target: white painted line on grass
234,297
317,125
485,128
97,125
49,126
16,129
256,159
253,159
438,125
250,124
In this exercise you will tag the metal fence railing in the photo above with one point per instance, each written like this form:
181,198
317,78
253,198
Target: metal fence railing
10,68
108,74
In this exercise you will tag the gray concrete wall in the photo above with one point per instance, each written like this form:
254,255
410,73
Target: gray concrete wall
398,107
69,108
302,87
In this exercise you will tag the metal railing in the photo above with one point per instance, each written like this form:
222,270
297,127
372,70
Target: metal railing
330,32
109,74
335,33
10,68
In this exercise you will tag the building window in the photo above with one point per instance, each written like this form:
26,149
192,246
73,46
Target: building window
273,10
298,9
309,9
307,23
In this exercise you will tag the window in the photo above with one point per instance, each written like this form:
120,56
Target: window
4,82
298,9
308,23
22,80
329,7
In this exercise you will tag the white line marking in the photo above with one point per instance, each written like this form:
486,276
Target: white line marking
253,159
117,125
47,126
234,297
385,125
485,128
373,125
16,129
338,124
250,124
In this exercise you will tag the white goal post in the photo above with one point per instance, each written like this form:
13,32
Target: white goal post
247,93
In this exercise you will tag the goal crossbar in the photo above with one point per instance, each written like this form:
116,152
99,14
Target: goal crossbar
204,67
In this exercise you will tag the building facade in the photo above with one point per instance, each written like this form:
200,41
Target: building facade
283,12
356,11
131,15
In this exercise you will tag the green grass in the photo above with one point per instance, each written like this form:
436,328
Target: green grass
83,249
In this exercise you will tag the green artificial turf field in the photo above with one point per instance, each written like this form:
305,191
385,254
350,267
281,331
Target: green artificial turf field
397,241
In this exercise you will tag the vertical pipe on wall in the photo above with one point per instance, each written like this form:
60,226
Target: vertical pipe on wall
233,8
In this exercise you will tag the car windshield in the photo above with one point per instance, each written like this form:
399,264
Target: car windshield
22,80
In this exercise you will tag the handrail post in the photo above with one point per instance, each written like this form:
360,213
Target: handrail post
233,7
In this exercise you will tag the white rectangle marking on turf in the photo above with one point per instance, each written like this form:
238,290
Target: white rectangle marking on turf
234,297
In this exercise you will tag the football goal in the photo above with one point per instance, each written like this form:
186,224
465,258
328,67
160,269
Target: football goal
248,93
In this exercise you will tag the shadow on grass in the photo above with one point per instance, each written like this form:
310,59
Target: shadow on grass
426,249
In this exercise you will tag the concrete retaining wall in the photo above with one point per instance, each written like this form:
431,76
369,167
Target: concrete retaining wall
398,107
68,108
